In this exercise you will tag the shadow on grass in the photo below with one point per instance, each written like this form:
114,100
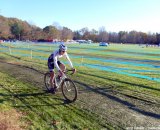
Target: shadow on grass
133,84
40,95
123,102
44,100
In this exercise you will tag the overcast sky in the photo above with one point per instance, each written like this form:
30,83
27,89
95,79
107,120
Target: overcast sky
114,15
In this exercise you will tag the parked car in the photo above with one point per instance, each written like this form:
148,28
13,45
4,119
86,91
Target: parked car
103,44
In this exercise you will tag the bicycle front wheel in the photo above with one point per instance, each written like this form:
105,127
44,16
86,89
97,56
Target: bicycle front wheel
69,90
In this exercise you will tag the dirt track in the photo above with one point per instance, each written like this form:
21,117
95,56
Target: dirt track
119,109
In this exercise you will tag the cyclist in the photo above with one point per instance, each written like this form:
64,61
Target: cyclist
53,61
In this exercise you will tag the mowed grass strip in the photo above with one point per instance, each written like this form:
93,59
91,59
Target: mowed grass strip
138,88
99,77
112,61
40,110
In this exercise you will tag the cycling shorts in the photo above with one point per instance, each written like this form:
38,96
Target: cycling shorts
51,65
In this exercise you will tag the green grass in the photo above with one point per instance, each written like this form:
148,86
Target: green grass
40,110
42,116
99,77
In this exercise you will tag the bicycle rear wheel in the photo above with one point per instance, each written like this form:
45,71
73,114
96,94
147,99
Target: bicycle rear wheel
47,81
69,90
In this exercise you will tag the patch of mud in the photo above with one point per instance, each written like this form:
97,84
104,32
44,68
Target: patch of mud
10,120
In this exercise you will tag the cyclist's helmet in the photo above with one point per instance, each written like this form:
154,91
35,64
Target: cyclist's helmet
62,47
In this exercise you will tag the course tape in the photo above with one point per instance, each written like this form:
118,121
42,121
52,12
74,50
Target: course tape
98,50
121,72
109,67
97,66
133,63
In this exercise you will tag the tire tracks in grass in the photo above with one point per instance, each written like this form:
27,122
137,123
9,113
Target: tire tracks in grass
121,110
29,75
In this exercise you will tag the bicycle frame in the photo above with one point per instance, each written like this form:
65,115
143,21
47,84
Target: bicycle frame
63,77
58,84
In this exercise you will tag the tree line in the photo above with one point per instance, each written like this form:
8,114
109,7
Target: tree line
13,28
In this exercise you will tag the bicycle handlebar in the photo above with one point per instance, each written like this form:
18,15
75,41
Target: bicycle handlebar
67,70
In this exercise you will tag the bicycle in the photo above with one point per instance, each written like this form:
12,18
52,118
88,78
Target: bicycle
68,88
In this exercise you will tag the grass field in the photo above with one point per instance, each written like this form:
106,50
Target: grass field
126,75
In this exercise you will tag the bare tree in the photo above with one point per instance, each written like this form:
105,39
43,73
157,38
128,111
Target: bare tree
93,35
103,35
66,34
122,36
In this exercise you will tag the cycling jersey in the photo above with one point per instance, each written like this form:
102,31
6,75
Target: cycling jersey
53,59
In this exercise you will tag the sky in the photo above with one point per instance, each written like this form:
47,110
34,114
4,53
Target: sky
114,15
